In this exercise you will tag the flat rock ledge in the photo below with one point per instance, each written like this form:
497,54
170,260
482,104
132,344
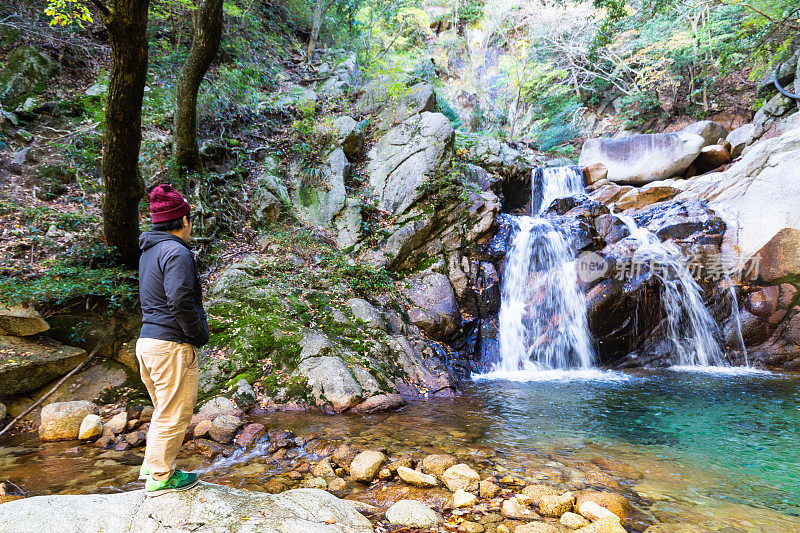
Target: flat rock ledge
205,508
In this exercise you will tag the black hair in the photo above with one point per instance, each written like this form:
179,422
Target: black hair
170,225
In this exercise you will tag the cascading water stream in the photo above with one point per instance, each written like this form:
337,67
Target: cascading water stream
689,326
543,324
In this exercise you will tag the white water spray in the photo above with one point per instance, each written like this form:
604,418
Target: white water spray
689,326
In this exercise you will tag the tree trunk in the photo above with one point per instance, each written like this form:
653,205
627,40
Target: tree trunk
205,43
126,21
316,24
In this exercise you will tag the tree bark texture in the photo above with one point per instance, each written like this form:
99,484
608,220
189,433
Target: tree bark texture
205,44
126,21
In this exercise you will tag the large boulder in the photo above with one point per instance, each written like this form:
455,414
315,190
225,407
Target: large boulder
757,195
331,380
709,130
348,135
779,258
204,509
410,154
319,203
26,365
396,107
21,321
412,513
497,157
62,420
642,158
740,138
26,72
433,305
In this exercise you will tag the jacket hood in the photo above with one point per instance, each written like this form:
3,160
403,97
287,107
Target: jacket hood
148,239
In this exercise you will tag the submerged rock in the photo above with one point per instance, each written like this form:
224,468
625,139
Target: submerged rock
205,508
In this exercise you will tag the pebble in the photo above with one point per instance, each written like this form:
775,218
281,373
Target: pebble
516,511
488,489
324,469
604,525
337,484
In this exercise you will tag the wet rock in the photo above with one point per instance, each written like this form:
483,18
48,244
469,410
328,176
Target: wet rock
224,428
603,525
202,429
90,429
573,520
122,446
499,158
306,510
471,527
595,512
642,158
434,306
21,321
514,510
343,455
337,485
488,489
555,506
314,483
616,503
379,402
538,491
26,365
251,434
245,396
617,467
62,420
411,513
407,156
639,198
436,464
365,465
385,474
136,438
323,469
462,498
104,442
363,310
218,405
416,478
780,256
538,527
710,131
461,476
209,448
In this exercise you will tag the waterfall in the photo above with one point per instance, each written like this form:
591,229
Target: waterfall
689,326
543,323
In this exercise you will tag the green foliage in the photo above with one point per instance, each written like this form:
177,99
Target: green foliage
443,107
67,12
638,108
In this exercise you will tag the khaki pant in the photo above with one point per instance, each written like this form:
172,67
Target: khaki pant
169,371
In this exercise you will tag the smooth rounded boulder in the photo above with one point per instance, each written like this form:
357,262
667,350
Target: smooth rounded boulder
62,420
642,158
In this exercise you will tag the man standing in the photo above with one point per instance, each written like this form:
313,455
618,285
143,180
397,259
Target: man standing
173,328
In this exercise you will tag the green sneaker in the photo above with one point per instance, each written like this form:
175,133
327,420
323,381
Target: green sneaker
144,472
178,481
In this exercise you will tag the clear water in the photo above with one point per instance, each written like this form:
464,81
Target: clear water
716,448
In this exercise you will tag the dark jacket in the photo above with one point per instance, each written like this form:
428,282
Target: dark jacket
170,290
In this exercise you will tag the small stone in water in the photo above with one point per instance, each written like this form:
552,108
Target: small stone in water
122,446
524,499
202,429
516,511
136,439
471,527
555,506
365,465
323,469
461,476
315,483
224,428
337,484
603,525
91,427
250,434
536,492
118,422
436,464
416,478
488,489
385,474
462,498
595,512
573,520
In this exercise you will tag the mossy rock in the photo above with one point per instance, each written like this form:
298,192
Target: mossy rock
25,74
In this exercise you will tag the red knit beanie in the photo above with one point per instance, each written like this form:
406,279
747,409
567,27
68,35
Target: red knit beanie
167,204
